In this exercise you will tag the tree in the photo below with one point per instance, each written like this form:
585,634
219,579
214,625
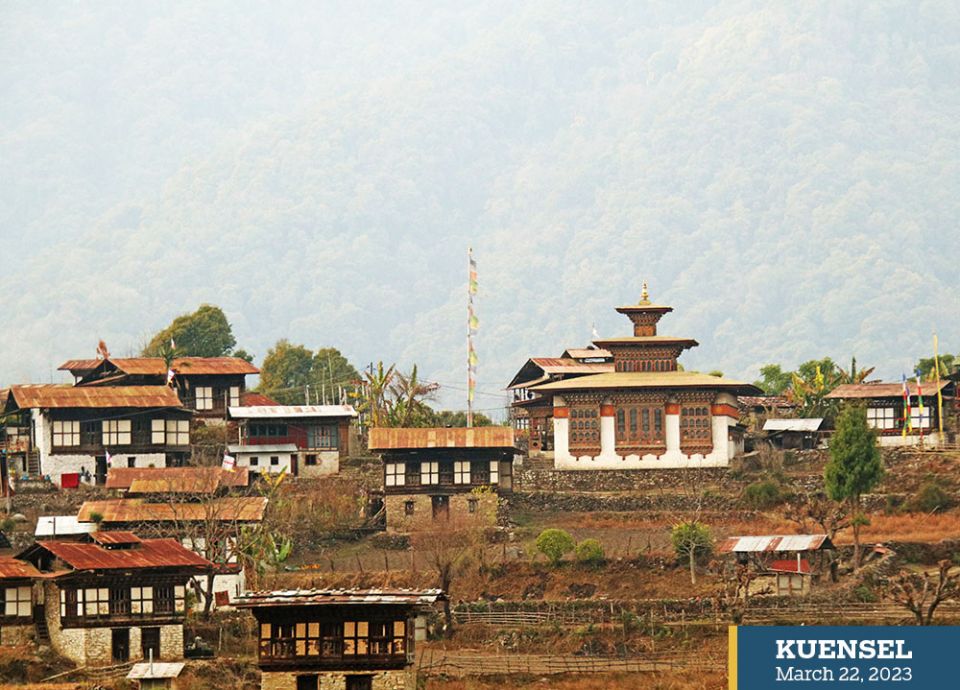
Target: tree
855,466
922,594
331,372
285,372
555,544
204,333
407,401
773,379
926,367
691,540
447,551
457,418
854,375
810,385
818,509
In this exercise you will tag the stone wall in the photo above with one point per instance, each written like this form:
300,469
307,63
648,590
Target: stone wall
336,680
483,515
16,634
544,501
171,642
611,480
328,462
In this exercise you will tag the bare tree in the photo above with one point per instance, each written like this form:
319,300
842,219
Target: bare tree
817,509
922,594
447,551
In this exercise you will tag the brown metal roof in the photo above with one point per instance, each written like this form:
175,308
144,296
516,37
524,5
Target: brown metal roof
66,396
848,391
13,569
254,399
775,543
648,379
175,479
132,510
587,353
117,537
646,340
79,365
150,553
459,437
156,366
560,365
342,597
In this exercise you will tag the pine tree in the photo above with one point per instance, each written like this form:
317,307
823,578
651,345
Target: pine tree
855,466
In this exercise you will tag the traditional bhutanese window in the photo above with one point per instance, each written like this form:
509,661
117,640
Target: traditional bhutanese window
494,471
429,472
633,421
141,600
71,603
204,395
120,602
178,432
461,472
920,420
164,599
96,601
66,433
158,431
116,432
234,396
646,420
881,418
355,635
17,601
658,421
621,423
396,474
323,436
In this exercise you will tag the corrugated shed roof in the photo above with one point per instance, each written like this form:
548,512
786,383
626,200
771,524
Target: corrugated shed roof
790,542
292,411
804,424
343,597
150,553
65,396
62,525
155,670
13,569
884,390
115,538
174,479
228,509
457,437
648,379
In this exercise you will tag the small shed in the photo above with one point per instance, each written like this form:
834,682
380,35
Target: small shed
155,675
794,434
783,563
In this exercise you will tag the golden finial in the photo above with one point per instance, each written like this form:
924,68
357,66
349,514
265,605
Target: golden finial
644,296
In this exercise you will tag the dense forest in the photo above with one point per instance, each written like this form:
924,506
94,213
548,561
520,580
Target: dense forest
785,176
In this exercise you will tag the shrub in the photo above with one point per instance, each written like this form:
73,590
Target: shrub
554,544
764,494
931,498
864,594
691,541
589,552
96,517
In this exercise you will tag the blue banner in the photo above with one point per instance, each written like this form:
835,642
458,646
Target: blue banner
914,658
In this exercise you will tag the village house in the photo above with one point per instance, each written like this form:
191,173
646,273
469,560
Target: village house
648,413
115,599
211,528
205,385
531,413
794,433
337,639
303,440
781,565
436,476
188,483
66,432
16,600
887,410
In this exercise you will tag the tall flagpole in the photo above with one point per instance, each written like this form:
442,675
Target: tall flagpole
472,325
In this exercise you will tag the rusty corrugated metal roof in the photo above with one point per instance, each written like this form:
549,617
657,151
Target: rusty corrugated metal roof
117,537
254,399
81,365
175,479
884,390
561,365
342,597
29,396
156,366
132,510
790,565
13,569
774,543
385,438
150,553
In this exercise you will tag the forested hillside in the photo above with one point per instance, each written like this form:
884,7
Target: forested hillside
786,176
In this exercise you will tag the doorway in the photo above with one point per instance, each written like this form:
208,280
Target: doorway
150,642
359,683
120,644
101,470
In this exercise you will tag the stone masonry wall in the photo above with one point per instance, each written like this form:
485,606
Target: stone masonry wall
544,501
336,680
610,480
459,514
16,634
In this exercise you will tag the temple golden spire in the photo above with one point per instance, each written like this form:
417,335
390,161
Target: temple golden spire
644,295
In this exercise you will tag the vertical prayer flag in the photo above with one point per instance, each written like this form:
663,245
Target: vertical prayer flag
907,421
920,404
170,376
936,379
109,457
